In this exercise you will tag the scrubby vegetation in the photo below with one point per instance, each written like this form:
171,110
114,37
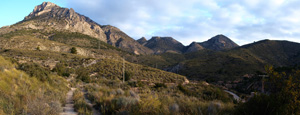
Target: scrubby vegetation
62,70
80,40
80,104
146,90
66,37
115,97
282,95
112,69
36,70
22,93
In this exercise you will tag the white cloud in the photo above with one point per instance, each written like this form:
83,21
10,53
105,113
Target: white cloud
244,21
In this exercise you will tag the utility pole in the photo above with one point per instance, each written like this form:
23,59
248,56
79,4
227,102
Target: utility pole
123,70
99,44
262,83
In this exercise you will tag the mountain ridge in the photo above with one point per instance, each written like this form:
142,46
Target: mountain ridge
219,42
51,17
161,44
164,44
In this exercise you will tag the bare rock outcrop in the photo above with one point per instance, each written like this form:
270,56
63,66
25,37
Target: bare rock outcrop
50,16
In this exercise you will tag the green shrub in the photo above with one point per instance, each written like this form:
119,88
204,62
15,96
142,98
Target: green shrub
73,50
83,75
159,85
123,102
35,70
283,98
185,90
132,83
149,105
258,105
62,70
128,75
80,105
38,48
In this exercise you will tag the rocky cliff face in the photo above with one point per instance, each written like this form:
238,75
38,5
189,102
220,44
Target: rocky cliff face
50,16
164,44
219,42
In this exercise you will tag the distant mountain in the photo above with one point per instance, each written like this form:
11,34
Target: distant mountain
164,44
194,46
219,42
116,37
168,44
50,17
227,64
142,40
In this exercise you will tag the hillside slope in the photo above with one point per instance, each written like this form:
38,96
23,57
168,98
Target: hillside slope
63,42
227,64
28,92
51,17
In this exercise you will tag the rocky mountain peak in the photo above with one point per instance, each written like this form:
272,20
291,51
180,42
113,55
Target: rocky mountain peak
46,5
41,9
219,42
116,37
219,38
194,46
164,39
164,44
142,40
51,10
155,38
167,39
51,16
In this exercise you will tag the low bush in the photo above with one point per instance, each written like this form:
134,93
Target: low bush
160,85
62,70
36,70
22,94
80,105
83,75
73,50
283,97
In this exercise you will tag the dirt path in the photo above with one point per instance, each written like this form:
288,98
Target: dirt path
236,97
69,107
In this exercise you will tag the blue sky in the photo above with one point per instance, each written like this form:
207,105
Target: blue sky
244,21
